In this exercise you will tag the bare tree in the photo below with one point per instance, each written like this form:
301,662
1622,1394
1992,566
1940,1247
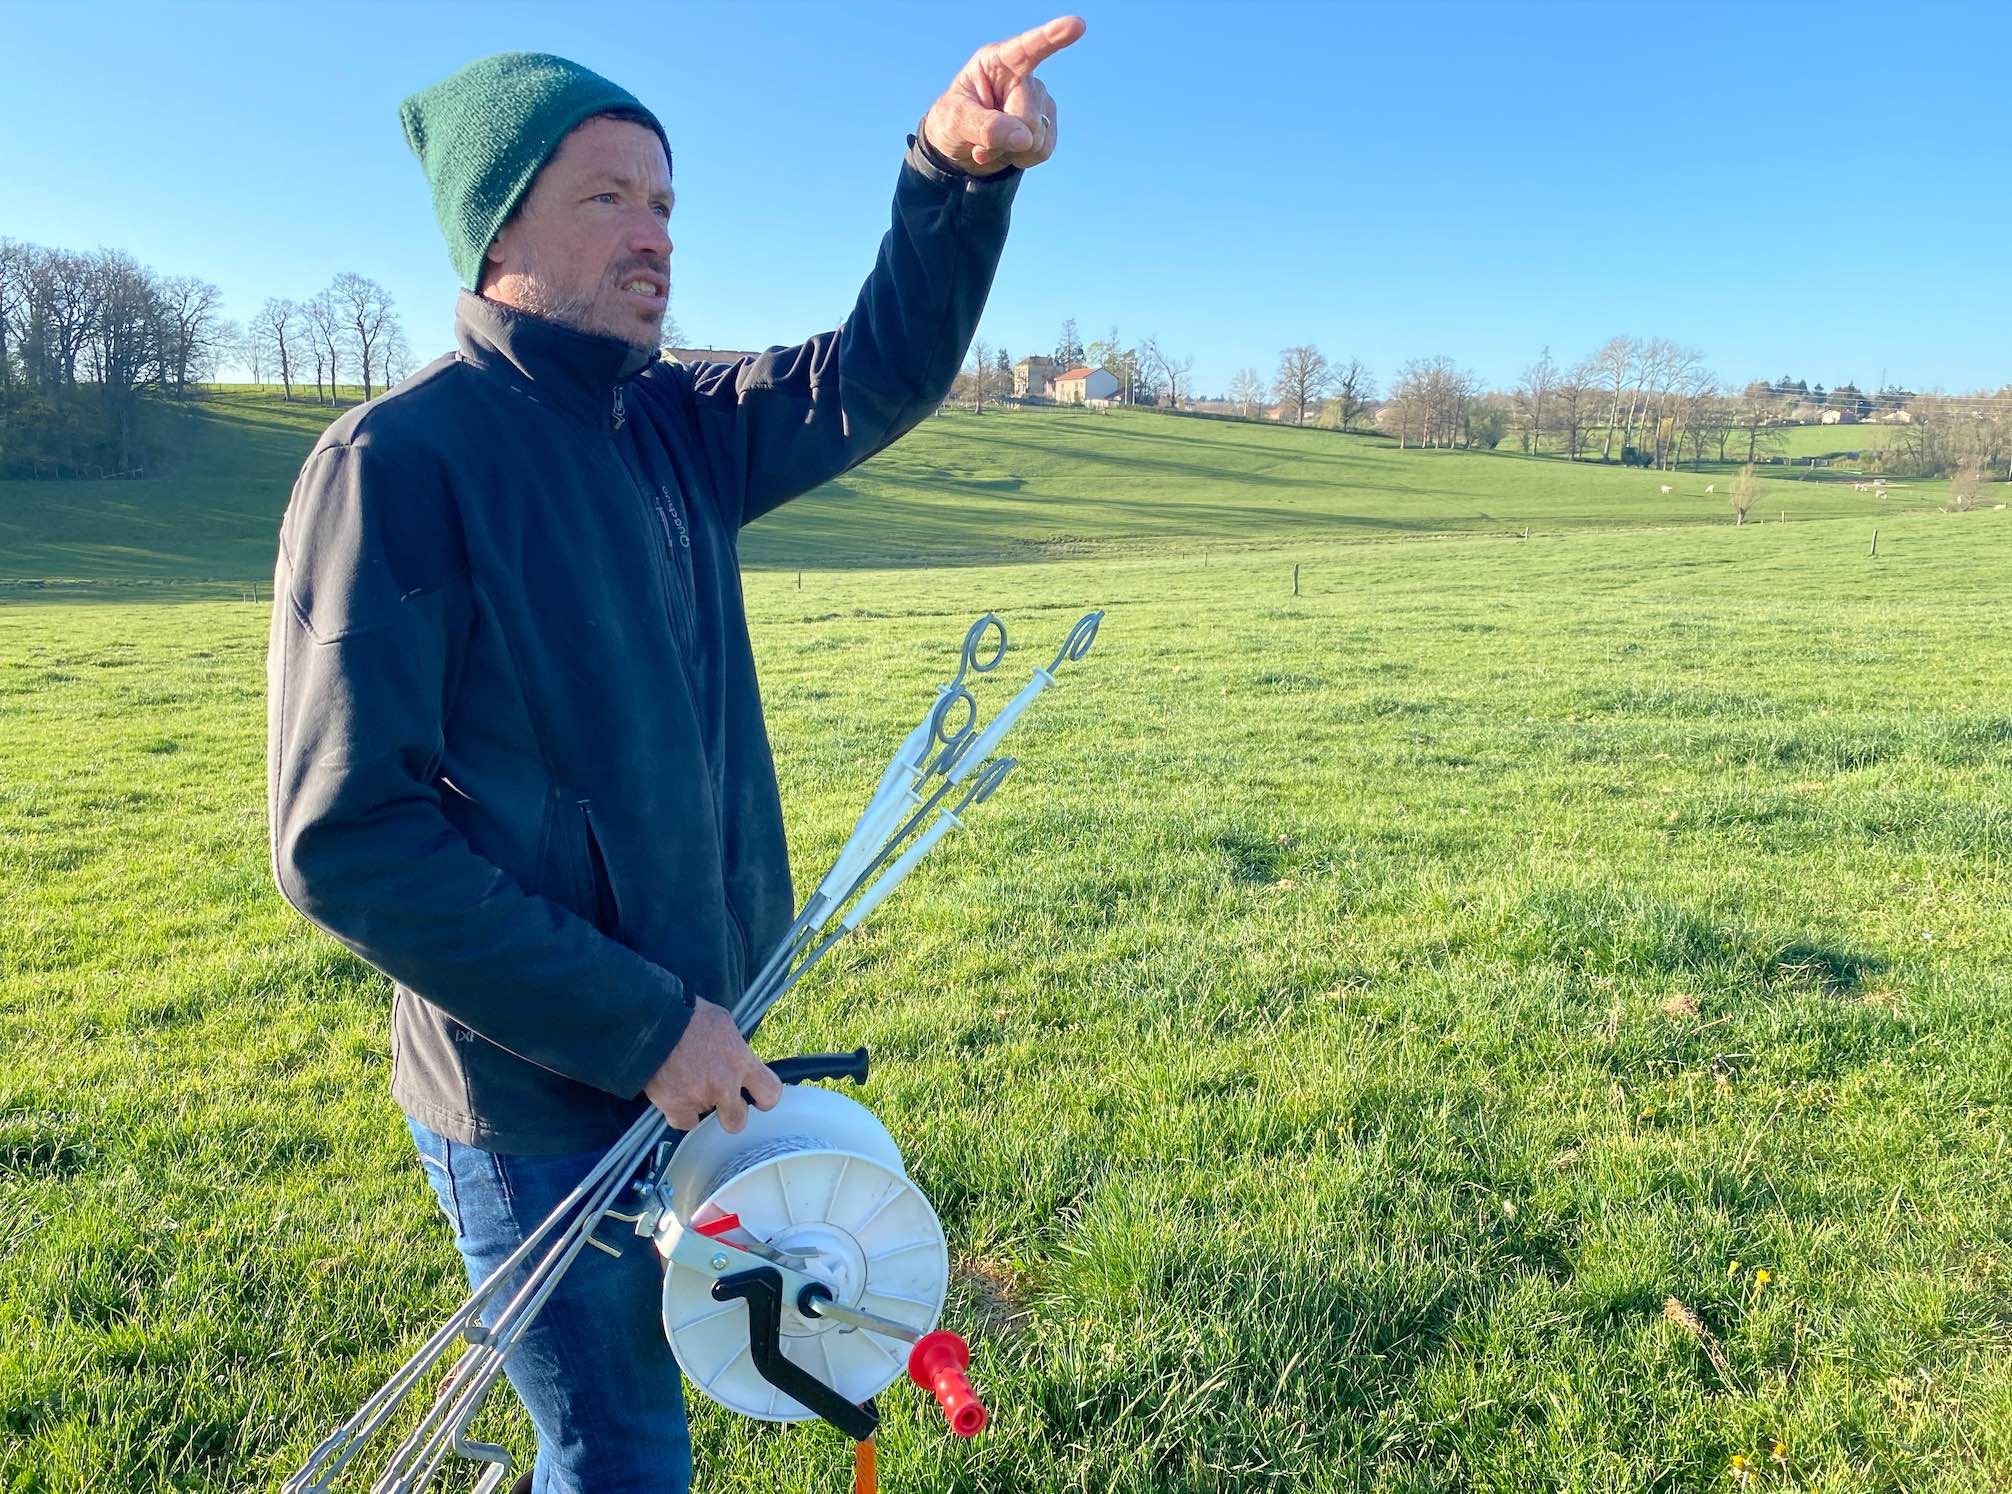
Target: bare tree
277,327
1433,397
1614,364
328,331
62,305
979,375
191,321
1161,372
122,348
13,303
249,350
1966,488
1301,380
1247,389
207,366
1574,399
365,309
1745,493
1539,379
396,356
1698,409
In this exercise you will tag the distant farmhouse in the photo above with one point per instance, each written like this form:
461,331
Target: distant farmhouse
1086,386
1034,378
1838,417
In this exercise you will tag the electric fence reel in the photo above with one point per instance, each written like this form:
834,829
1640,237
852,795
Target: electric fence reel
804,1271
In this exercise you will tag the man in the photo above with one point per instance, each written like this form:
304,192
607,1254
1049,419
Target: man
517,755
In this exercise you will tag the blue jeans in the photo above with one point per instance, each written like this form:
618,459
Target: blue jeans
593,1369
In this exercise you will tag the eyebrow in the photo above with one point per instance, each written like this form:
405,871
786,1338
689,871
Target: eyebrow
630,184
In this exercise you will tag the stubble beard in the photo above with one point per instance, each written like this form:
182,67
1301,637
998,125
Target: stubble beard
580,307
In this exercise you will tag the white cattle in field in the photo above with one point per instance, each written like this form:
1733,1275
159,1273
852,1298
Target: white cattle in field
1668,489
1861,487
1711,487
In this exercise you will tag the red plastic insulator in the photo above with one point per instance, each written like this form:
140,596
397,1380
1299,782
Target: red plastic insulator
713,1228
937,1363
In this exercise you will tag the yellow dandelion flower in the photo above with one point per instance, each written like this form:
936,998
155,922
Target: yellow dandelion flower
1780,1453
1732,1270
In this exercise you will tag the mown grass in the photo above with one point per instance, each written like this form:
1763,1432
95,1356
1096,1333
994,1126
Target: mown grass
1360,1014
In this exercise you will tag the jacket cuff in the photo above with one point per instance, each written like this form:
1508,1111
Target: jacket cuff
933,165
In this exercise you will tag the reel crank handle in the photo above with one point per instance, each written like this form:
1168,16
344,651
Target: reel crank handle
761,1289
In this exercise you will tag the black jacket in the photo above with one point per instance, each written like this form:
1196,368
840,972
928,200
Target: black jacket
517,754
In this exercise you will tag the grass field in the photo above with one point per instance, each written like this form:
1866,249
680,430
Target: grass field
961,489
1361,1015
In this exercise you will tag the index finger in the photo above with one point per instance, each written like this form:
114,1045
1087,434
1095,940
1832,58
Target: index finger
1021,54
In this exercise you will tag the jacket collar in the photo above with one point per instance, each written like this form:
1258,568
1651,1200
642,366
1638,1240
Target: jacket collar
578,372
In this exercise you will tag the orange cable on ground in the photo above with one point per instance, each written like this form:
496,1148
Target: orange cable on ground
864,1478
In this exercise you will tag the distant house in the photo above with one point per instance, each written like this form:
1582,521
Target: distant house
1082,386
1838,417
1034,378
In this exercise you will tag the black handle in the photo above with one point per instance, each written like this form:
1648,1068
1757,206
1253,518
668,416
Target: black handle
822,1066
761,1289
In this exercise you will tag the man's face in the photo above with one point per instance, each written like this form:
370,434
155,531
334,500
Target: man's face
589,245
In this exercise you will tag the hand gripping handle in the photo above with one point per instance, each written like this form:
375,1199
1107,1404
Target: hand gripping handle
822,1066
937,1363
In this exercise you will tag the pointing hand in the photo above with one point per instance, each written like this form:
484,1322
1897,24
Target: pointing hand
996,113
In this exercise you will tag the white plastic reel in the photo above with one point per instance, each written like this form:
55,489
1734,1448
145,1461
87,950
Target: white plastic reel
818,1176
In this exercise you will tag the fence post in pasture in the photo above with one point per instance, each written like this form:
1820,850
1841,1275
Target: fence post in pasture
1295,580
799,580
1875,544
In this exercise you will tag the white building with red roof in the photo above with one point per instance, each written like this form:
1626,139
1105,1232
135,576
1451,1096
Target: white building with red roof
1082,386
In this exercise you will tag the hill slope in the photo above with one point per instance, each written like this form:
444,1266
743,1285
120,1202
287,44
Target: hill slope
1009,485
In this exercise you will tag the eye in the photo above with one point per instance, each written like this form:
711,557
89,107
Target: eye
662,212
606,197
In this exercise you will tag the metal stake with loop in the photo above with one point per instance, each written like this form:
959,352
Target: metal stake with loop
804,1270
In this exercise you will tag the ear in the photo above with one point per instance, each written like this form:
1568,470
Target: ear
492,262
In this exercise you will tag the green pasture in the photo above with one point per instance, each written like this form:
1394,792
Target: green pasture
962,489
1358,1021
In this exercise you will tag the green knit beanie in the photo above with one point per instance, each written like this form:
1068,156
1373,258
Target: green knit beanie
482,135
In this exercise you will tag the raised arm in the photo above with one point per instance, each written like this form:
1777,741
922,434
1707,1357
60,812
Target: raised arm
776,425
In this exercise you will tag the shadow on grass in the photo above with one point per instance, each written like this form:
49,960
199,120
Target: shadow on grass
1600,930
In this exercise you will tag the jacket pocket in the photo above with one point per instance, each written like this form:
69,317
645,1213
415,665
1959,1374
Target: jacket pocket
606,907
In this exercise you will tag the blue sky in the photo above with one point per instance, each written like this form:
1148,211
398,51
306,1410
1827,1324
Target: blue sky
1816,190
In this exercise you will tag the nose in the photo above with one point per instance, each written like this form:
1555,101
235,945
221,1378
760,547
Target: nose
650,236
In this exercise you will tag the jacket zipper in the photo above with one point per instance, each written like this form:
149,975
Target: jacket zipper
673,584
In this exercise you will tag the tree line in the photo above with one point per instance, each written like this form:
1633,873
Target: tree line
1639,401
86,336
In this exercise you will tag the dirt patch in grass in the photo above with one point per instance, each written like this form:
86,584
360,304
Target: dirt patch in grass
997,1301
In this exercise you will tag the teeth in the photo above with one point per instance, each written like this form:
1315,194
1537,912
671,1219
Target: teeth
644,286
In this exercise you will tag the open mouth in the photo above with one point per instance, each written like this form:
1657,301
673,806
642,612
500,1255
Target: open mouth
645,290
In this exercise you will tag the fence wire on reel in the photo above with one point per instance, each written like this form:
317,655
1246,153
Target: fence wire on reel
910,812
